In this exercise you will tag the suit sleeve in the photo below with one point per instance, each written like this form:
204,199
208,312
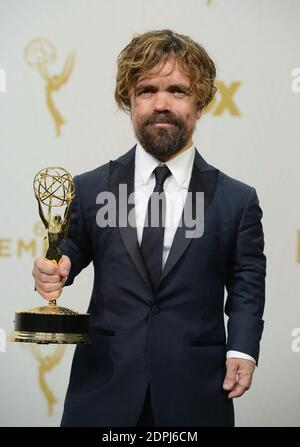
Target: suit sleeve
245,283
78,244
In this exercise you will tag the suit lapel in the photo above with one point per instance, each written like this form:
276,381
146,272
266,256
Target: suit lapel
122,173
203,179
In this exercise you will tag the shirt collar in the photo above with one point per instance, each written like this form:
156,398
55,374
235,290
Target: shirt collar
180,166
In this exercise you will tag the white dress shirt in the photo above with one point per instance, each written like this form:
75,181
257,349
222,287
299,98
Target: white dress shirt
175,188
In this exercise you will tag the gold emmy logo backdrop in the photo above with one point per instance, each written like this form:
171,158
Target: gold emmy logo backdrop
38,54
19,246
45,364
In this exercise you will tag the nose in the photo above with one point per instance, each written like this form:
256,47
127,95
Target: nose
161,102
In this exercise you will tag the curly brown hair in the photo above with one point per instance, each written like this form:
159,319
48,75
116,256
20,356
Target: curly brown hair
147,50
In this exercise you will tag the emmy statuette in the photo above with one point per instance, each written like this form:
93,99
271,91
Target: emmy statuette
53,188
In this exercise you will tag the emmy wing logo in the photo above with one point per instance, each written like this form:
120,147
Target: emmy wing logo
45,364
38,54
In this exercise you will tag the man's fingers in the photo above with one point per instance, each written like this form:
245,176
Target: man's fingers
243,371
243,384
43,265
44,278
49,287
49,295
50,277
237,391
64,266
230,378
229,382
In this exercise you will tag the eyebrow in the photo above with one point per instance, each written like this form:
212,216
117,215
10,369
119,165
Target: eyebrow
150,86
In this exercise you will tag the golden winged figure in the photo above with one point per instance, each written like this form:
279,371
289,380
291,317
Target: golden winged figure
46,364
38,53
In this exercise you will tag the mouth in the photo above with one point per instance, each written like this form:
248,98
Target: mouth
162,124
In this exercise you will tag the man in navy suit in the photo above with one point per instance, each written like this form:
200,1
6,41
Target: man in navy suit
159,354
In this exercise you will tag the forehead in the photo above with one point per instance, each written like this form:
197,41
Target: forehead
170,70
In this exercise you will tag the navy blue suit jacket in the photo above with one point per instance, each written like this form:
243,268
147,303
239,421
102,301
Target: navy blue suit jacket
173,337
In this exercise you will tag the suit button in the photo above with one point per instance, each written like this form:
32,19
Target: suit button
155,309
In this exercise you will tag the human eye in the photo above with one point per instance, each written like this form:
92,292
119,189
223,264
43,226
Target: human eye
179,92
145,91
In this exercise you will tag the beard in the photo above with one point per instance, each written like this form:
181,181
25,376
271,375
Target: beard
163,141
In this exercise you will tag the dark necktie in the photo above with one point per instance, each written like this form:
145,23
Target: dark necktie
153,233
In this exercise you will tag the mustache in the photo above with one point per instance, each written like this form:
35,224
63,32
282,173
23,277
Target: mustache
162,118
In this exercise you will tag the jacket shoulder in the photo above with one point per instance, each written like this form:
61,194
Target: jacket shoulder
231,184
233,195
99,176
95,175
225,183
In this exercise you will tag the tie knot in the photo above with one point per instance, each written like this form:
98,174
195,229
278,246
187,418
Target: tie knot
161,173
